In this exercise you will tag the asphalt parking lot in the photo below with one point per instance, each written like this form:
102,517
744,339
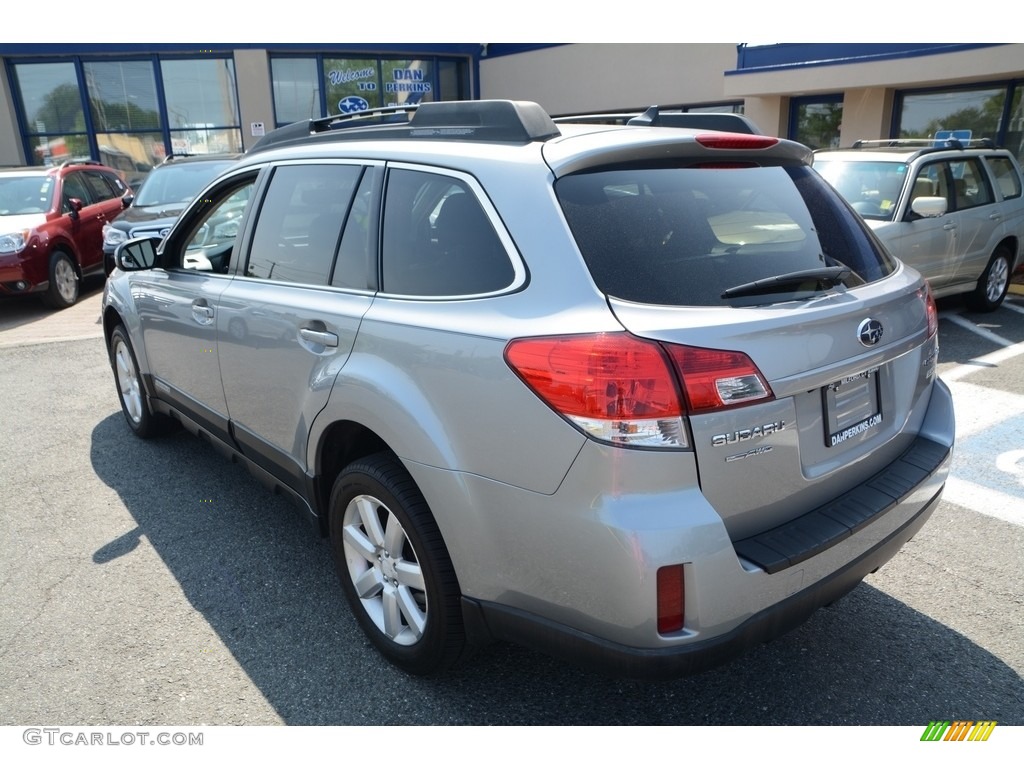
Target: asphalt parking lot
155,583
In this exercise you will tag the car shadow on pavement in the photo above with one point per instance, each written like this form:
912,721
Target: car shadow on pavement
265,583
16,311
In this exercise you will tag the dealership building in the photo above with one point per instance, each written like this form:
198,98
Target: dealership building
131,105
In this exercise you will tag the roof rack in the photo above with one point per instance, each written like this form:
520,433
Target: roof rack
79,161
935,144
732,122
517,122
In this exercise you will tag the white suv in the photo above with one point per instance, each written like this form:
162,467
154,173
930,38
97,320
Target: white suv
953,211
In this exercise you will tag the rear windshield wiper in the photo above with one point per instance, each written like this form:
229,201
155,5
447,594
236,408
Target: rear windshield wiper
823,278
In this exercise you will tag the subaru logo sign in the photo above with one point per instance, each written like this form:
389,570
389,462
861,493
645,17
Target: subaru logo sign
869,332
353,104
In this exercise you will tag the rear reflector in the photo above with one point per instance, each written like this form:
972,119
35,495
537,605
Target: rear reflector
670,599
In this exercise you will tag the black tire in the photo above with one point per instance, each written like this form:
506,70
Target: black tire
130,392
394,566
64,281
993,283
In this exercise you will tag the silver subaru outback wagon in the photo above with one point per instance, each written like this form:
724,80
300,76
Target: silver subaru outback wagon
639,397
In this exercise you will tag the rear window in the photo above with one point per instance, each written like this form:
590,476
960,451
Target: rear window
872,187
683,236
178,183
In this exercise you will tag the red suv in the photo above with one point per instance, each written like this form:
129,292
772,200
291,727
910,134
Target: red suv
51,227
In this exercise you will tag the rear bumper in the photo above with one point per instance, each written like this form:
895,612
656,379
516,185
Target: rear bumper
599,613
494,621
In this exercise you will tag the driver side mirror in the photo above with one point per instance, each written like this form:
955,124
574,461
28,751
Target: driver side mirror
76,207
138,254
927,207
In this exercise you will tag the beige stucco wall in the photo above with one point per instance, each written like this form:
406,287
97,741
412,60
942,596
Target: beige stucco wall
867,114
252,76
586,77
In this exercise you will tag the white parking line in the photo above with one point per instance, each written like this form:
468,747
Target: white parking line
987,501
983,332
991,360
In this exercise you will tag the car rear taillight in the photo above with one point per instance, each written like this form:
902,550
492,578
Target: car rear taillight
931,311
615,387
624,390
714,379
670,599
735,141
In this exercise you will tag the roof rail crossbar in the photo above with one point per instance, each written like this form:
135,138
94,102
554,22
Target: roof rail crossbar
937,144
485,120
79,161
731,122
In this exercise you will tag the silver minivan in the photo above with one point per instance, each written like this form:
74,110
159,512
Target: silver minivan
639,397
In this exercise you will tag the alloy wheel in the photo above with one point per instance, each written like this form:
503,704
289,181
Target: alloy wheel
384,570
66,279
998,275
128,381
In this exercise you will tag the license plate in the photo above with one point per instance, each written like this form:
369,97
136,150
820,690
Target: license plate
851,407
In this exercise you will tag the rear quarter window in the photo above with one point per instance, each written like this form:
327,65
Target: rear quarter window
1006,176
682,236
438,241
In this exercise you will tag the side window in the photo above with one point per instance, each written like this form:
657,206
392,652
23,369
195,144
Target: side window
437,239
970,184
74,186
932,181
1006,176
119,187
98,186
299,225
357,252
210,240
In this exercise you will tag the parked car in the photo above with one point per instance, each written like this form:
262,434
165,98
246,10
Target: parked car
639,397
162,197
953,211
51,227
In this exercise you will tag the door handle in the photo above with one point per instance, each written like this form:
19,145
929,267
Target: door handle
325,338
202,312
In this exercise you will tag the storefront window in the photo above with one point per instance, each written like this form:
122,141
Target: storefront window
736,109
200,93
357,84
977,111
126,115
1014,138
816,122
352,85
122,95
407,81
52,105
296,90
